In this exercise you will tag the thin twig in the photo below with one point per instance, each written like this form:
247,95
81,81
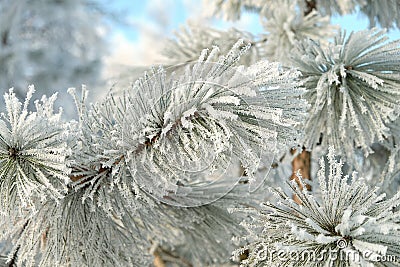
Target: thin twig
310,6
301,163
158,261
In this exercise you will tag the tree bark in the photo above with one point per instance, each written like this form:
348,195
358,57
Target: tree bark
301,163
4,38
158,261
310,6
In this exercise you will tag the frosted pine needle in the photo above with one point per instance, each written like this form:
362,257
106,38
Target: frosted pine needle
32,153
189,41
286,25
232,9
214,111
74,233
353,89
385,13
349,220
132,151
334,7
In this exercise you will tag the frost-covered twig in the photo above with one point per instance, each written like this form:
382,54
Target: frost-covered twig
33,153
349,224
131,154
352,88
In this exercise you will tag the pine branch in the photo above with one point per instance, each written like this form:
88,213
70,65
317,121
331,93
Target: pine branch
12,259
33,154
384,13
129,154
301,167
190,40
158,261
336,7
288,24
347,216
353,90
12,262
232,9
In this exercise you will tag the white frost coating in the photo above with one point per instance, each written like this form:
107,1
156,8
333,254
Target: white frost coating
347,216
287,24
33,153
185,119
130,153
352,88
212,113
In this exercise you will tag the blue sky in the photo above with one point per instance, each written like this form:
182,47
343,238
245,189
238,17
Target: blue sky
177,10
137,43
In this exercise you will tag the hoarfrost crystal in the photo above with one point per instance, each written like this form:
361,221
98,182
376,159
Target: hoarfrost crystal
213,113
32,153
286,25
353,89
349,220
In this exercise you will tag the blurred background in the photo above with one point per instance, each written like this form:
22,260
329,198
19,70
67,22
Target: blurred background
57,44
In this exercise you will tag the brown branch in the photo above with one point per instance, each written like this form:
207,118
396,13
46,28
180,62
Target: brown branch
244,256
4,38
172,258
158,261
310,6
101,170
13,261
301,163
147,144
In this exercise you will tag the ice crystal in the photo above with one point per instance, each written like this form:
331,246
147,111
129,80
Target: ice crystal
32,153
286,25
104,184
384,13
74,233
122,166
212,112
349,224
352,88
189,41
